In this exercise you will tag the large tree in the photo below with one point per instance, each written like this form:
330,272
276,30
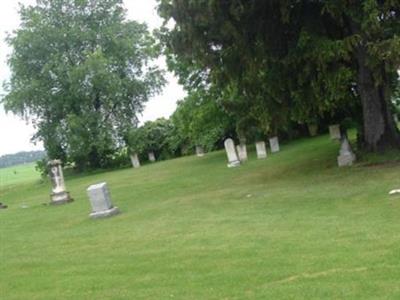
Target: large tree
293,60
82,73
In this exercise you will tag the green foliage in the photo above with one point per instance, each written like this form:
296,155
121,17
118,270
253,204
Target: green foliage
275,62
200,120
81,72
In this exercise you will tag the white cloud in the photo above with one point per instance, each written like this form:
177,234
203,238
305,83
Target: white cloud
15,134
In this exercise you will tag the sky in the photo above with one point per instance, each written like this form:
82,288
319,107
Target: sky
15,134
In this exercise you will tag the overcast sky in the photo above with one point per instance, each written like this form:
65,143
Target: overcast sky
15,133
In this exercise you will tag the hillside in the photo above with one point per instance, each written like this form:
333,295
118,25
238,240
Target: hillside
293,226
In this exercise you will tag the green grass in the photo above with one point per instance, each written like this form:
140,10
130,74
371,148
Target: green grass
293,226
18,174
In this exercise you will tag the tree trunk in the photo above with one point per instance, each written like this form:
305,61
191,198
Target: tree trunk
379,130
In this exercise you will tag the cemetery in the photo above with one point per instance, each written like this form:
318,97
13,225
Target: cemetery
199,149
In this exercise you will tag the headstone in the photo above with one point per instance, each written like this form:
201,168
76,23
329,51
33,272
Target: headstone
135,161
242,152
261,150
3,206
274,144
312,129
396,118
334,132
233,160
152,157
100,201
199,151
346,156
59,195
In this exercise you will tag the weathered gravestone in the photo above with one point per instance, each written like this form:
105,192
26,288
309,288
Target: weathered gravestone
233,160
152,157
58,195
100,201
242,152
274,144
346,156
261,150
312,129
334,132
199,151
135,161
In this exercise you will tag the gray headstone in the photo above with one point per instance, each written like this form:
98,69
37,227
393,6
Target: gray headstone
346,156
261,150
274,144
233,160
334,132
242,152
135,161
100,201
152,157
199,151
58,195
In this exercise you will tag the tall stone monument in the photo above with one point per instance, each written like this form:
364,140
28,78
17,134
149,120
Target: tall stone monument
274,144
346,156
135,161
261,150
100,201
233,160
58,195
334,132
199,151
242,152
152,157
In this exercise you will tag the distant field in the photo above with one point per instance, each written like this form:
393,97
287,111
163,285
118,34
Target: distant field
18,174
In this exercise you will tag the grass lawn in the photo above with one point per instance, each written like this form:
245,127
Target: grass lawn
18,174
293,226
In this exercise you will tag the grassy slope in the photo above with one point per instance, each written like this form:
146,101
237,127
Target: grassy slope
293,226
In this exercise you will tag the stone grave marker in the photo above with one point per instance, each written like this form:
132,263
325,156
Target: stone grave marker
58,195
152,157
135,161
261,150
274,144
233,160
100,201
334,132
199,151
242,152
346,156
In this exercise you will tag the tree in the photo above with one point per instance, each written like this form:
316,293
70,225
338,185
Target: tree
81,72
292,60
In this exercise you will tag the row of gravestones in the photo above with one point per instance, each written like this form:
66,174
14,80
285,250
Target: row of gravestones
237,154
99,195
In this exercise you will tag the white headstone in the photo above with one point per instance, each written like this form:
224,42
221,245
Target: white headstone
152,157
261,150
274,144
58,195
199,151
100,201
233,160
346,156
242,152
135,161
334,132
